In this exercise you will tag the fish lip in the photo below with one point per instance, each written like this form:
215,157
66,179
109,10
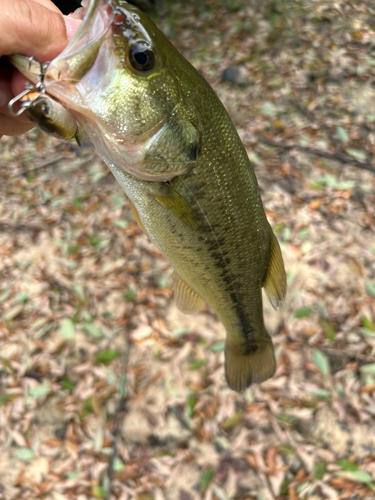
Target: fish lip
28,66
89,37
93,28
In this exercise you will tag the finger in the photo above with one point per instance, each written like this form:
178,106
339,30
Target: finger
12,126
18,80
71,23
49,5
17,83
7,93
31,29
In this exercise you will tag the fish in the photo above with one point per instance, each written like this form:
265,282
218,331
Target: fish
175,152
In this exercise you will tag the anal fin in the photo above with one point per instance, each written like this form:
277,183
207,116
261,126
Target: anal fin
275,281
187,300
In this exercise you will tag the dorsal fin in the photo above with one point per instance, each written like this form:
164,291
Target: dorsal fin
187,299
275,281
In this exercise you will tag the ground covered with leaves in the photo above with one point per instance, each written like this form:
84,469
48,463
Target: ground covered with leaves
86,299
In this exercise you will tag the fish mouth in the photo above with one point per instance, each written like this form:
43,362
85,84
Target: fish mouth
79,55
62,74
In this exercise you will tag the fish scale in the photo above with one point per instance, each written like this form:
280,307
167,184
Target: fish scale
174,150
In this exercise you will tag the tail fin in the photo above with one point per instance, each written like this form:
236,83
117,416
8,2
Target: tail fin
245,365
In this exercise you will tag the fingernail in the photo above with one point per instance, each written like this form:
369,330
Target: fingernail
3,98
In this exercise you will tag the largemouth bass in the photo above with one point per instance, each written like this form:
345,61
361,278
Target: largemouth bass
173,148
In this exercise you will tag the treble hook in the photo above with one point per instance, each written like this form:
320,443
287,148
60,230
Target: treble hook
24,104
43,69
39,89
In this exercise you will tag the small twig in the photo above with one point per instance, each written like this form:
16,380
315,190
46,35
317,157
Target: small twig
21,228
303,110
177,412
118,415
46,163
33,374
310,116
318,152
55,283
340,359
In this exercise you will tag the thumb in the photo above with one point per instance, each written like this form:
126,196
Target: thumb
31,29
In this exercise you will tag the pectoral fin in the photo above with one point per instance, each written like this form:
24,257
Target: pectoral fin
171,199
275,282
187,299
137,218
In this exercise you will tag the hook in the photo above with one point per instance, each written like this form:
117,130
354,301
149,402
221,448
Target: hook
39,89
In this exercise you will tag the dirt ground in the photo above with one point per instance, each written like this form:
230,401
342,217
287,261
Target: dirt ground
86,298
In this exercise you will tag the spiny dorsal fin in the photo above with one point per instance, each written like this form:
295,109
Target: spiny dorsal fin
187,300
137,218
171,199
275,282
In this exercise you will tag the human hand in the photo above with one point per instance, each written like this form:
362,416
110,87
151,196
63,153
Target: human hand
31,28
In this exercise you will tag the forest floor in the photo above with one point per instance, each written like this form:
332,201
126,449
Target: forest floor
85,297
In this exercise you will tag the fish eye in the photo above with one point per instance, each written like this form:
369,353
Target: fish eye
45,109
141,57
